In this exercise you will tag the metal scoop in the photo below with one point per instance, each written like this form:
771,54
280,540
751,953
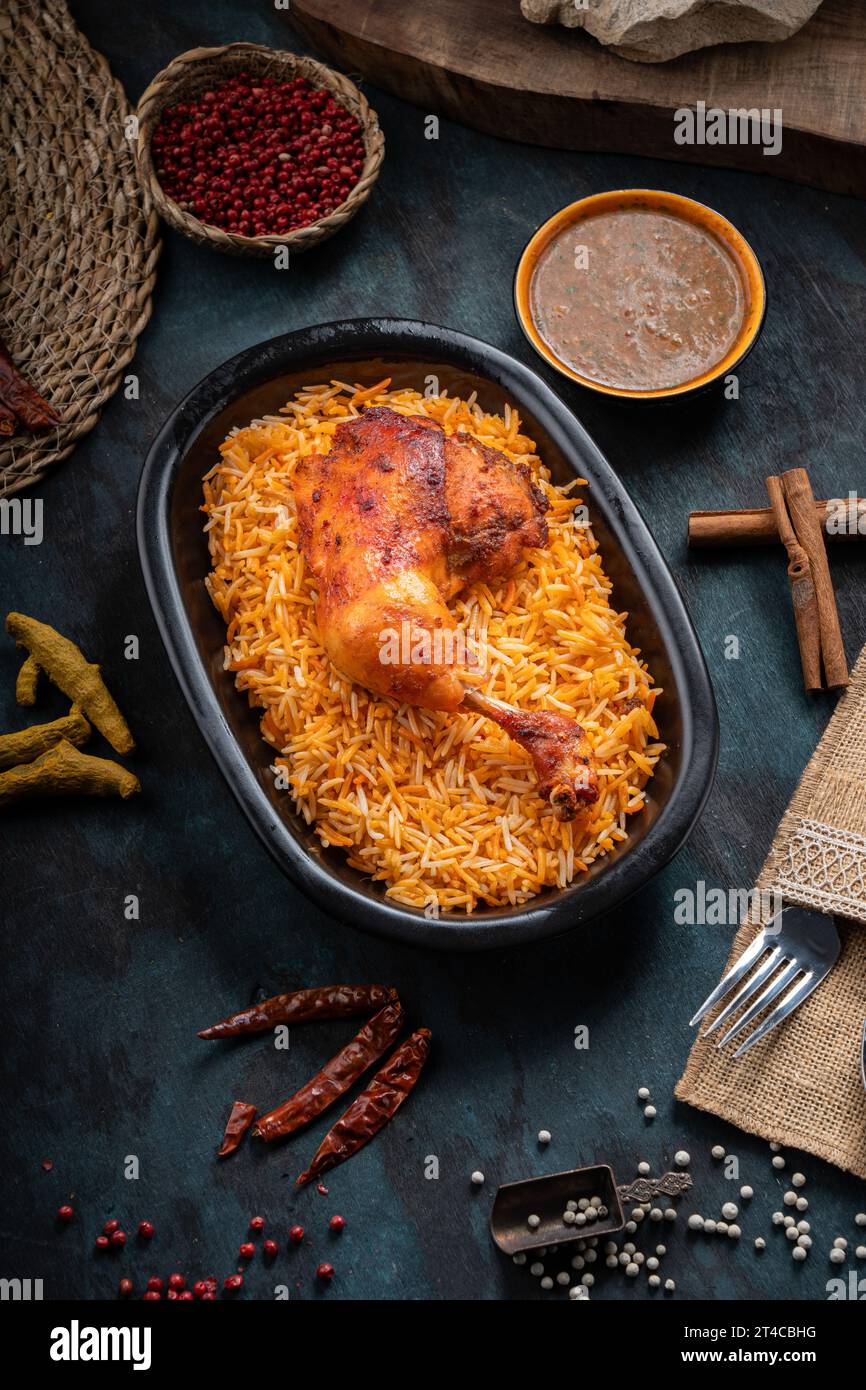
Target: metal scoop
546,1198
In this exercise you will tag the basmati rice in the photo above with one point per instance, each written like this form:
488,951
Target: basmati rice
441,808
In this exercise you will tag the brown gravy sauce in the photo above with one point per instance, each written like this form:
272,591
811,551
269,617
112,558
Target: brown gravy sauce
638,299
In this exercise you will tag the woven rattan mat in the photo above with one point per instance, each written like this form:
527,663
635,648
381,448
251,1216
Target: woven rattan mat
78,240
801,1086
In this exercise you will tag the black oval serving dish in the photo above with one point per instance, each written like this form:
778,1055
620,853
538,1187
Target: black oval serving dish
175,560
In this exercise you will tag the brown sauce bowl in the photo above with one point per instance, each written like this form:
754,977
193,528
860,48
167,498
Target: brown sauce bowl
654,200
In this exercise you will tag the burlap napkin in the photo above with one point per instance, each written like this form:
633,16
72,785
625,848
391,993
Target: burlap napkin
801,1086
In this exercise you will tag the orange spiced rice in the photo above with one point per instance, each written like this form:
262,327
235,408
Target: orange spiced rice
441,808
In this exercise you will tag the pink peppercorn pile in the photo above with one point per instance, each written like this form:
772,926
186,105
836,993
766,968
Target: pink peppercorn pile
259,157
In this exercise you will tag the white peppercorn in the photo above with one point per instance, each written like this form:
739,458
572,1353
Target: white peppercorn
837,1257
778,1161
670,1213
643,1168
544,1136
734,1232
519,1258
576,1295
477,1178
721,1228
568,1218
591,1256
638,1257
860,1218
630,1227
533,1222
611,1261
805,1242
649,1112
718,1151
803,1227
547,1282
652,1262
603,1212
792,1233
629,1248
625,1259
798,1253
595,1202
774,1148
760,1243
778,1218
562,1277
611,1248
695,1222
583,1204
632,1270
790,1198
643,1093
789,1221
654,1281
747,1193
580,1218
537,1269
661,1250
798,1180
802,1204
730,1210
656,1214
638,1214
710,1226
571,1205
587,1280
682,1159
860,1252
670,1285
840,1243
577,1262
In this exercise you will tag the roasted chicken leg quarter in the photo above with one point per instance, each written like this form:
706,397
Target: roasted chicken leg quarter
394,520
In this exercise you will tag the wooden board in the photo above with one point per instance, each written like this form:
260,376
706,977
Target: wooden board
483,64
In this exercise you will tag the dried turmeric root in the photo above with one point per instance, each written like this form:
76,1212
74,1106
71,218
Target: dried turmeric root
28,744
28,680
63,771
67,667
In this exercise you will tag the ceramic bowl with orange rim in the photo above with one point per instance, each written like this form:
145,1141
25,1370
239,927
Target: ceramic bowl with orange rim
640,294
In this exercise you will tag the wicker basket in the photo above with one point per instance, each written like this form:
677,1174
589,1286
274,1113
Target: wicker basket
200,68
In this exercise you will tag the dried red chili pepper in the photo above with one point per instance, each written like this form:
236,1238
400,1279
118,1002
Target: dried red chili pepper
19,396
239,1121
336,1076
328,1001
374,1107
8,420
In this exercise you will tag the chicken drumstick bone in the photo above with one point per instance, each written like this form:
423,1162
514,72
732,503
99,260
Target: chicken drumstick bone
394,520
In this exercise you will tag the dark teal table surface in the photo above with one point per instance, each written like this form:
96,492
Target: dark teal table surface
101,1062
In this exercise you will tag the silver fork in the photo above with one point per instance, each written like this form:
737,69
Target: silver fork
803,947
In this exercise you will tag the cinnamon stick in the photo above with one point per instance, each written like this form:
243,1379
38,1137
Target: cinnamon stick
840,518
803,597
801,507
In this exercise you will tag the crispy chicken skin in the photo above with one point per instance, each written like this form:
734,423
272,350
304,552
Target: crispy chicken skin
394,520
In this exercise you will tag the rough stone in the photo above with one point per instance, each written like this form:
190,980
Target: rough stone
654,31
